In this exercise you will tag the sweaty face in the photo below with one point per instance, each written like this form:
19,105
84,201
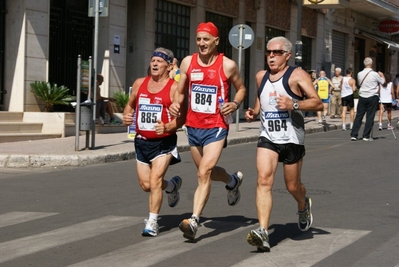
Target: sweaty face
158,66
277,56
206,43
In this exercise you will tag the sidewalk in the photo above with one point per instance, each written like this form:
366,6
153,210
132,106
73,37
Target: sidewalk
60,152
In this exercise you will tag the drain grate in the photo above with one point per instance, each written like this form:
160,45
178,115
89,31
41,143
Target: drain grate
310,192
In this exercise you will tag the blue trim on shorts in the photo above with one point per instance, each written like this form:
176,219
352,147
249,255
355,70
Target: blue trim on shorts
202,137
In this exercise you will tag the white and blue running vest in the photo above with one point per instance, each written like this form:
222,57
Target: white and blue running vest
280,126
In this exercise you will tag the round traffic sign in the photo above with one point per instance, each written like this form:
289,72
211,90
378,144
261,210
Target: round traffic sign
241,36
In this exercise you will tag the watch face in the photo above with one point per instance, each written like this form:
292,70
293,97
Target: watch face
295,106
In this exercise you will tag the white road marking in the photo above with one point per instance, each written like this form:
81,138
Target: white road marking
165,246
306,249
28,245
17,217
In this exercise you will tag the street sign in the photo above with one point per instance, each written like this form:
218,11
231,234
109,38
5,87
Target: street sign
102,8
241,36
389,26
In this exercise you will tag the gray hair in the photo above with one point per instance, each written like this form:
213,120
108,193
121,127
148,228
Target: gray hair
368,61
287,45
338,69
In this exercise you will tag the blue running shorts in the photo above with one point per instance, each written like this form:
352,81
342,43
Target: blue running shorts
202,137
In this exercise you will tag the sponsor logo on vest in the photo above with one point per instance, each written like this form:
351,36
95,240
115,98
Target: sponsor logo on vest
204,89
277,115
157,108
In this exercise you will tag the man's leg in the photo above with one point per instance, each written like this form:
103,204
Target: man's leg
266,164
361,109
206,158
371,108
333,104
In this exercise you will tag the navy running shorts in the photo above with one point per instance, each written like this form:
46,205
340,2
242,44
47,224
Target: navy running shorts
148,150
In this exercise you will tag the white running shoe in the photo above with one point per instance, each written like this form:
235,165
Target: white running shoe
260,239
151,228
234,195
174,196
305,217
189,228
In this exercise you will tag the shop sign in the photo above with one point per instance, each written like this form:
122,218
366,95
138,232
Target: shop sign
388,26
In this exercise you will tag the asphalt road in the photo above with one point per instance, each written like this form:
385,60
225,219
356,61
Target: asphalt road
93,215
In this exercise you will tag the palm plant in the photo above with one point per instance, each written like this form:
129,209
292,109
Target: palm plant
121,99
51,94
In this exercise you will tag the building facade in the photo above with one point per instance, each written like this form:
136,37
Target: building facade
41,40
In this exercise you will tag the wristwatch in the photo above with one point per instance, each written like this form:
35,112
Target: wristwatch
295,106
237,104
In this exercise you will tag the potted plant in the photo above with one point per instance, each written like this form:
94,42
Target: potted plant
51,94
121,99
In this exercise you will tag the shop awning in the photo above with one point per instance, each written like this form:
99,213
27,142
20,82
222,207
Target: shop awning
391,44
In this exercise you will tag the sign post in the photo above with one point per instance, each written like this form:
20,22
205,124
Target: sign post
241,37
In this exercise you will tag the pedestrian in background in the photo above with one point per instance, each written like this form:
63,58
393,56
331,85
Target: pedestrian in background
282,135
336,101
387,95
323,85
205,77
368,80
348,87
156,140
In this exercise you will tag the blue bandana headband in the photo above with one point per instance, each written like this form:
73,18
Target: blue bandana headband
163,55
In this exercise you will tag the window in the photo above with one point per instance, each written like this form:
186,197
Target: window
224,25
172,28
306,53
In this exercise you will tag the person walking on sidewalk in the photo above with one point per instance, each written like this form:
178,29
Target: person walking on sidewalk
348,87
323,85
336,99
368,80
156,140
205,76
282,135
387,95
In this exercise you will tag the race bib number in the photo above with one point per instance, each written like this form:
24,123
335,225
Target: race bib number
147,117
203,98
277,124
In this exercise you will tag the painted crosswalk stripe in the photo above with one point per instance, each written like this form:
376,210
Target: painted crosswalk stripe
27,245
17,217
165,246
306,249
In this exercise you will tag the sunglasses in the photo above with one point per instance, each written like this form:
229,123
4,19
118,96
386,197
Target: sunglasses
275,52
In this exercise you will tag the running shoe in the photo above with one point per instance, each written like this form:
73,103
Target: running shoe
390,127
380,126
365,139
259,238
189,228
343,127
234,195
320,123
174,196
324,119
151,228
353,138
305,216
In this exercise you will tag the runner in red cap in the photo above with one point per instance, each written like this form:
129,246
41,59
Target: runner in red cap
205,77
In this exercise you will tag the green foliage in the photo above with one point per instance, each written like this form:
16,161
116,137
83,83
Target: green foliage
121,99
51,94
